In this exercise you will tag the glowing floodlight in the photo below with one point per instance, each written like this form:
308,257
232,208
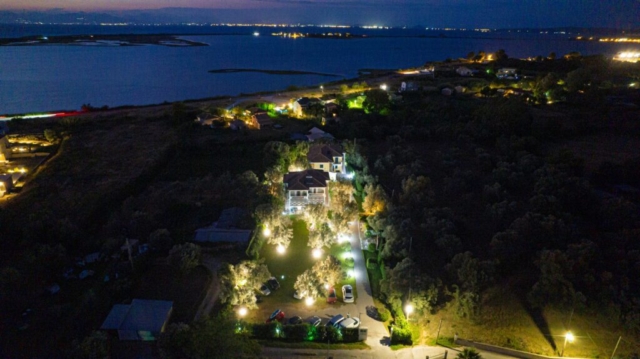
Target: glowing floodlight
317,253
266,231
242,311
280,249
309,301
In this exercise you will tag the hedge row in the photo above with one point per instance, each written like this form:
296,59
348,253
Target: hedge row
303,332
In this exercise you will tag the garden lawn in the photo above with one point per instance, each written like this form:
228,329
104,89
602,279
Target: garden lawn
288,266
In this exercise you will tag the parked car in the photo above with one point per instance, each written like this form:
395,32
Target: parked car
349,323
347,294
264,290
314,321
332,297
335,320
295,320
273,283
276,315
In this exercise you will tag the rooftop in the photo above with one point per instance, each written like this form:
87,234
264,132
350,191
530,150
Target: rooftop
306,179
324,152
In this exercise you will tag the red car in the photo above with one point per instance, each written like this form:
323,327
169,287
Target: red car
277,315
332,297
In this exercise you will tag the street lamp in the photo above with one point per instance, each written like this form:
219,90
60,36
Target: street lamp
408,309
242,311
280,249
384,87
266,231
322,88
309,301
567,338
317,253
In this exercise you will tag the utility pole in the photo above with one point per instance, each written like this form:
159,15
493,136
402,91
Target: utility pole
438,335
616,348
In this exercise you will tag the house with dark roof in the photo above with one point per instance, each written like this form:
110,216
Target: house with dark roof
261,120
305,187
317,134
328,158
302,104
142,320
225,230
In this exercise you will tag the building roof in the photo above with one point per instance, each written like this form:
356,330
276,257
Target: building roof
324,152
229,218
306,179
306,101
263,119
140,315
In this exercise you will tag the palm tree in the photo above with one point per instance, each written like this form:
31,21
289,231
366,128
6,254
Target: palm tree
469,353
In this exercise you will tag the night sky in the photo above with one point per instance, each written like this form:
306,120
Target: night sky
431,13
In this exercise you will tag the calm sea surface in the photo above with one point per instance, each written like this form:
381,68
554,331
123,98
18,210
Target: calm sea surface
58,77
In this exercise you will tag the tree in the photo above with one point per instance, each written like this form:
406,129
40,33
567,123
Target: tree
185,257
96,345
376,199
282,233
376,101
316,215
552,56
328,271
308,285
468,353
211,338
471,55
501,55
50,135
321,236
315,110
160,240
239,282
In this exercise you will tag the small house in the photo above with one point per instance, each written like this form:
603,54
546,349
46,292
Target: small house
328,158
302,104
305,187
507,74
142,320
225,230
261,120
317,134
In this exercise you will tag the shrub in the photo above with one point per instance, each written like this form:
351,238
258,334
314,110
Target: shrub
384,314
372,263
371,247
350,335
266,330
350,262
297,333
346,247
401,336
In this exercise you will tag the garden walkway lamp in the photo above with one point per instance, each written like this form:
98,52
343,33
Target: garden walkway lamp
567,338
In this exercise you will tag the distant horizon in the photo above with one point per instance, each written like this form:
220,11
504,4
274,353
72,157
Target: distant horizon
496,14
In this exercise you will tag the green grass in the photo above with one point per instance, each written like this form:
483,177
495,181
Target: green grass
314,345
296,260
291,264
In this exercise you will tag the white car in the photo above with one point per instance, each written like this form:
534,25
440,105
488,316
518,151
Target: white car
347,294
349,323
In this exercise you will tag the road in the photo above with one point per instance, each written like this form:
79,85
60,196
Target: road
214,288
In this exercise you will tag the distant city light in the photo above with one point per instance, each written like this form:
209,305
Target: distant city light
256,34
